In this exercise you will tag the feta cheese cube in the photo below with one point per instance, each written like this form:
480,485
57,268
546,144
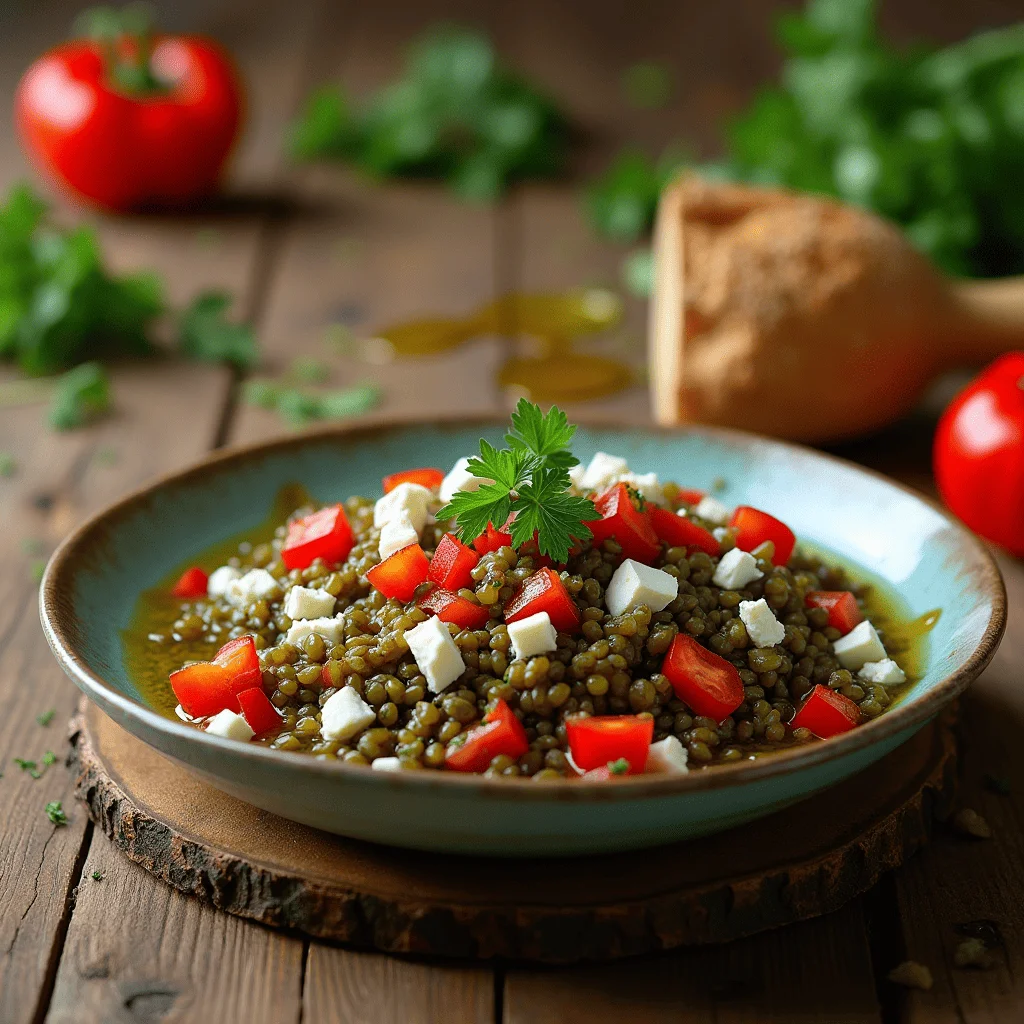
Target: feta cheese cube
576,476
396,534
667,755
634,584
712,510
647,484
886,672
460,479
859,646
331,629
762,627
344,714
735,570
231,726
719,532
436,654
409,500
306,603
532,635
220,579
255,585
602,471
387,764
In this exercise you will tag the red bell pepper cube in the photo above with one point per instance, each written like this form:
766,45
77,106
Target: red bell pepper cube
601,740
680,532
691,496
449,607
452,564
325,534
242,662
427,477
544,591
843,611
826,713
500,733
628,525
753,527
709,684
400,574
257,710
204,689
191,584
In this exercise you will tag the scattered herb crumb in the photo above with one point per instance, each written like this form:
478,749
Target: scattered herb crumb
620,767
969,822
46,717
205,333
998,784
106,456
49,758
719,483
973,953
28,766
32,546
79,396
911,974
36,569
8,464
55,813
97,876
309,371
298,406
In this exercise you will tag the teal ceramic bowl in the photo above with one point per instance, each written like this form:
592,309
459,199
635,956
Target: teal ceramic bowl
94,579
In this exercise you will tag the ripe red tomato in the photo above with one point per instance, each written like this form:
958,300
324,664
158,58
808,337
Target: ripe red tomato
125,126
979,453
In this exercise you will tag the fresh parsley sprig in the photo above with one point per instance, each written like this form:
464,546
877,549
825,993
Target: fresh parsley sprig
529,478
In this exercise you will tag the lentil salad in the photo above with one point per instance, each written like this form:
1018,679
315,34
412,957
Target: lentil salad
680,635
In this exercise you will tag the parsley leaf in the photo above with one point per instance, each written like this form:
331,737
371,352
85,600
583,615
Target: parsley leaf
55,813
620,767
528,480
97,876
299,407
80,395
205,333
28,766
46,717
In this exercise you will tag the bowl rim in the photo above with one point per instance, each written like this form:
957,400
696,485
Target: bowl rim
67,558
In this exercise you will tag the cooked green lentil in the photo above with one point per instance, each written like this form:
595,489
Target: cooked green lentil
611,667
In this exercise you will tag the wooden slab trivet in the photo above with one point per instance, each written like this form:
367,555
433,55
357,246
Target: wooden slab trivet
801,862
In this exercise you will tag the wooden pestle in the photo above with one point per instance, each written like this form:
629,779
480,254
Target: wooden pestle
800,317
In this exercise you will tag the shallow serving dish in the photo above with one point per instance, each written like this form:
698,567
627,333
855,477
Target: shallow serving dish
94,579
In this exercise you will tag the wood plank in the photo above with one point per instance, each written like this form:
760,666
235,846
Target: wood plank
809,971
343,987
139,950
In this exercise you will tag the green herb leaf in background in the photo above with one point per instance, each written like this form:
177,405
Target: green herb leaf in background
205,333
55,813
455,115
80,395
301,406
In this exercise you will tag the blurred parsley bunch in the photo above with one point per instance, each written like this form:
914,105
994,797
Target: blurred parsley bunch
930,138
455,115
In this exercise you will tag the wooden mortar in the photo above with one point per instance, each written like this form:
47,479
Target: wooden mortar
797,316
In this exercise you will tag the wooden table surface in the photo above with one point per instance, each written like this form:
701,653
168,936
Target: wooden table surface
304,248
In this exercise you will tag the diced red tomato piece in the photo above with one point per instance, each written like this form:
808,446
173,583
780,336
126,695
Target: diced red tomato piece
501,733
492,539
449,607
204,689
630,527
708,683
544,591
826,713
452,564
691,496
191,584
680,532
753,527
242,662
843,611
427,477
399,575
597,741
257,710
325,534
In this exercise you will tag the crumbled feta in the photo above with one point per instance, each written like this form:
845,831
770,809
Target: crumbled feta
331,629
460,479
712,510
762,626
532,635
396,534
436,654
344,714
719,532
886,672
306,603
667,755
231,726
603,469
859,646
576,476
220,579
387,764
634,584
735,570
183,714
255,585
647,484
409,500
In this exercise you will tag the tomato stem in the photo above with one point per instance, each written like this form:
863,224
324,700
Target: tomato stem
125,40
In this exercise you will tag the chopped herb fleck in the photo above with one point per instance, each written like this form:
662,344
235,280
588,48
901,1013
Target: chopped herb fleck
46,717
28,766
8,465
620,767
49,758
97,876
36,569
55,813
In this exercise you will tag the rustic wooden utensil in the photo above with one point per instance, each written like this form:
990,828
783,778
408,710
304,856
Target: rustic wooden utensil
797,316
